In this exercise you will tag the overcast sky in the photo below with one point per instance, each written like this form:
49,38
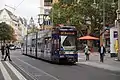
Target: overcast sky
26,9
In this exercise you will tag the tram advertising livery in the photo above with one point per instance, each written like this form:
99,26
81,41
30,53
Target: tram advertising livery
57,45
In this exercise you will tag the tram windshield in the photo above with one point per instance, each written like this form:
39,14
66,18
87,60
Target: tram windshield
68,43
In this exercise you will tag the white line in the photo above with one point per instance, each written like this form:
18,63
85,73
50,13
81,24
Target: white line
4,72
17,73
38,69
24,71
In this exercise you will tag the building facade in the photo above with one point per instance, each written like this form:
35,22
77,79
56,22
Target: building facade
17,23
45,8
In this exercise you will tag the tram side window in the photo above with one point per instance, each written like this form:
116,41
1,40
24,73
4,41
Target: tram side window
38,45
33,43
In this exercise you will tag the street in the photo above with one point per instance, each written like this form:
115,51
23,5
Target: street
40,70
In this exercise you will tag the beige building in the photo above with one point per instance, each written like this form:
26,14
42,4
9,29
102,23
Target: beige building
54,1
45,8
17,23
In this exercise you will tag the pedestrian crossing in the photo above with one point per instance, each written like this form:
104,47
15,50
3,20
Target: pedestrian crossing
9,72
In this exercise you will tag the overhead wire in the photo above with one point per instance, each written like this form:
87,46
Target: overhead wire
19,4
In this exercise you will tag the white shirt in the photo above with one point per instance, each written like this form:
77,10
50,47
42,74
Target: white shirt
102,49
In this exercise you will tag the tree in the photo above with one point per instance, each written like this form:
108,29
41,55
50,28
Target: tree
72,12
80,12
6,32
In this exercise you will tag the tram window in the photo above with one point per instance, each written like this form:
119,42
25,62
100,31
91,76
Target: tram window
66,43
38,45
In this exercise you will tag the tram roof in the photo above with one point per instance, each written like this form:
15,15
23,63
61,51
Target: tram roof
67,26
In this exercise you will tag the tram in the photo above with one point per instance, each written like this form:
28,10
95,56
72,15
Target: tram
56,45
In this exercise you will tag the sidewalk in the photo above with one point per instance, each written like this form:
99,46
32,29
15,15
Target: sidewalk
109,63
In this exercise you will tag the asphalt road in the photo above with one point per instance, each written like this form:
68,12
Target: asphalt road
41,70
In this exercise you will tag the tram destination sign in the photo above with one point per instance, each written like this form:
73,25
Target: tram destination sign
67,32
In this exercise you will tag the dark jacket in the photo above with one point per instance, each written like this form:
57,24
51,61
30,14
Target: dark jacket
7,50
104,50
2,49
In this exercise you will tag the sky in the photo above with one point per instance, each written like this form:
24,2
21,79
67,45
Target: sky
27,9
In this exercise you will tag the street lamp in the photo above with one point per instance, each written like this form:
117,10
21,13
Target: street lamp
42,18
47,20
32,24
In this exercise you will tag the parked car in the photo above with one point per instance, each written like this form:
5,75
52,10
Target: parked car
12,47
17,47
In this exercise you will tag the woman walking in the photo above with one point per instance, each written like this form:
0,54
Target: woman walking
87,52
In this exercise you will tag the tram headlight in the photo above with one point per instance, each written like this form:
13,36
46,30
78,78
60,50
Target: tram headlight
62,52
75,52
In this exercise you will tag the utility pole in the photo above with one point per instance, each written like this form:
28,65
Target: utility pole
118,26
102,41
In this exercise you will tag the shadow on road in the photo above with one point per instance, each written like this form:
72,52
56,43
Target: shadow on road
61,63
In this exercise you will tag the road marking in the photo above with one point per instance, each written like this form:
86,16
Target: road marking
24,71
17,73
38,69
4,72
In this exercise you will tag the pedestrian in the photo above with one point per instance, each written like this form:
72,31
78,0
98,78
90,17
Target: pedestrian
3,50
7,53
87,52
102,52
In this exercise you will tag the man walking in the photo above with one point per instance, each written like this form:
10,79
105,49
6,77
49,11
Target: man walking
7,53
102,52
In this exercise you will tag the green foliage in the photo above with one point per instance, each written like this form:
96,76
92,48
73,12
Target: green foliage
69,2
72,12
6,32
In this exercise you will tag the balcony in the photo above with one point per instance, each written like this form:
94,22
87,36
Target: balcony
48,4
48,0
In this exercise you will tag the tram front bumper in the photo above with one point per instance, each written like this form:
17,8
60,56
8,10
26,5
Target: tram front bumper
68,58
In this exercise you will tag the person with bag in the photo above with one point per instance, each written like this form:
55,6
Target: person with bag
87,52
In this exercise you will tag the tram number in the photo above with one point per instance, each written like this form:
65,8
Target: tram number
67,33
